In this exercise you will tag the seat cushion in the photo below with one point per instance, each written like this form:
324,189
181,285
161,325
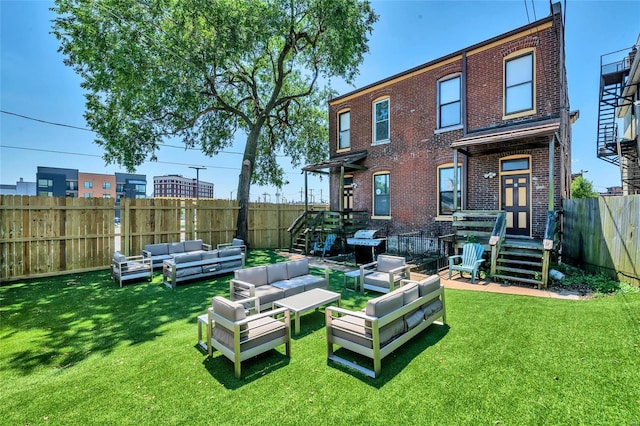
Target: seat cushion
352,329
268,293
277,272
296,268
378,279
256,275
157,249
289,287
387,263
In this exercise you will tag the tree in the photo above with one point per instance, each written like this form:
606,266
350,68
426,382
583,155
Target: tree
204,70
582,188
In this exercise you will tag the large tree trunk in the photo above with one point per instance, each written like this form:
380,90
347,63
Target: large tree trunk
244,182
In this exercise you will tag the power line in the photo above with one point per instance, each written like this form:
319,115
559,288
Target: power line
46,122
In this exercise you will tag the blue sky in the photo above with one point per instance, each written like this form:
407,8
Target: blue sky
35,83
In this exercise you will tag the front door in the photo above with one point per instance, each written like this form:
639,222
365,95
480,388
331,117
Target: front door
347,195
515,202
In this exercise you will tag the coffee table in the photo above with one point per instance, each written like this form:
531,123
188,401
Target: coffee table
306,301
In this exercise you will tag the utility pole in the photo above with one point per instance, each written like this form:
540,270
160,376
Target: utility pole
311,196
301,194
198,168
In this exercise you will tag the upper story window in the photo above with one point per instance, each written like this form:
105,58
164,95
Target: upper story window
381,121
45,183
106,185
449,104
381,195
88,184
344,130
518,86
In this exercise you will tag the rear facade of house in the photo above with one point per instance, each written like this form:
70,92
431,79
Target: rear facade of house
486,128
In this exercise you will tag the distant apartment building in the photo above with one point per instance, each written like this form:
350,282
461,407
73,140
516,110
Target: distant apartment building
20,188
96,185
177,186
57,182
613,190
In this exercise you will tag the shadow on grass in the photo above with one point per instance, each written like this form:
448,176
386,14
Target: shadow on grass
394,363
221,368
64,319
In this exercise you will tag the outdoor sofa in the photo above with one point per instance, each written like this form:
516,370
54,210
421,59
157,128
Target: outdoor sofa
201,264
164,251
276,281
387,322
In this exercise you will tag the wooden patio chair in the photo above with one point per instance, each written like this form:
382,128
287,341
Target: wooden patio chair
470,260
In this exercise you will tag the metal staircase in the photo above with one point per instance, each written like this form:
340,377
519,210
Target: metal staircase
611,147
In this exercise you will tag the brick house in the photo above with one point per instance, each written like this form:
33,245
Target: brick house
491,120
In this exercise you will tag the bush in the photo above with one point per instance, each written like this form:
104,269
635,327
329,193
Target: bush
597,283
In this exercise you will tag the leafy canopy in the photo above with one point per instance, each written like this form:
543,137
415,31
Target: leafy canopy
582,188
203,70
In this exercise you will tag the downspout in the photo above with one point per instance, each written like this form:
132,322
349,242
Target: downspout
551,171
455,179
341,193
463,89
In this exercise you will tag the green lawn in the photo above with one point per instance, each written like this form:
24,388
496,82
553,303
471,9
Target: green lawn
79,350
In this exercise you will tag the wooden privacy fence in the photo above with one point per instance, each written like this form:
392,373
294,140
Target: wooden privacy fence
603,234
41,236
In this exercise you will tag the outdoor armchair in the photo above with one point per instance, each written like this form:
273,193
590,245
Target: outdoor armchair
385,274
240,337
125,268
236,242
469,260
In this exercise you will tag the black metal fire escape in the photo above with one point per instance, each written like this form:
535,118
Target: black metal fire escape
613,148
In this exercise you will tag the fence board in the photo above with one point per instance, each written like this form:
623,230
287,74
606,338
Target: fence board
603,234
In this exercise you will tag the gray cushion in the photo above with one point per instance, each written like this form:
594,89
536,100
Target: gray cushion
277,272
289,287
228,309
432,307
352,329
185,272
157,249
230,252
387,263
176,248
119,257
295,268
192,245
231,264
237,242
256,275
309,282
411,292
378,279
429,285
383,305
187,257
268,294
389,331
414,318
207,255
260,331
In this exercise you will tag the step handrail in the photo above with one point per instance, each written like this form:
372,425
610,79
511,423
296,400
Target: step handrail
497,238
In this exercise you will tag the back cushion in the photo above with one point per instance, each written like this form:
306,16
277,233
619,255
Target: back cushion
237,242
230,252
411,292
277,272
193,245
212,254
187,257
157,249
176,248
383,305
256,275
297,268
118,257
387,263
429,285
229,310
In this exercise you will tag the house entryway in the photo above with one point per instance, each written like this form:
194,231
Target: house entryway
515,202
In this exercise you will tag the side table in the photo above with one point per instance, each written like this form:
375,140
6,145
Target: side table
204,320
356,280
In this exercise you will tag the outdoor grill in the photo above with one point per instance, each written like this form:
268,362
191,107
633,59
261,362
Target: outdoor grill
366,246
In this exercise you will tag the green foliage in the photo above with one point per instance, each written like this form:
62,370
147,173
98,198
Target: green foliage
582,188
599,283
78,349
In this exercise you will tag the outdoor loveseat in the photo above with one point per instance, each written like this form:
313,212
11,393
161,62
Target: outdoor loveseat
276,281
164,251
201,264
387,322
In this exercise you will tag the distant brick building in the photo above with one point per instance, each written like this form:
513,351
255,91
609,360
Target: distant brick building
484,128
176,186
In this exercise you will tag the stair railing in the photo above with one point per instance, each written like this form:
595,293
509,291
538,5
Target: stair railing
497,238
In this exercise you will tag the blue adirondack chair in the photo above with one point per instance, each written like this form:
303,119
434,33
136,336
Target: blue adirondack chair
319,246
470,260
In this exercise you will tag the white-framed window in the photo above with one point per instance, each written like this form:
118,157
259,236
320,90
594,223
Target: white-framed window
88,195
446,189
518,84
344,130
381,194
381,121
45,183
88,184
449,102
106,195
106,185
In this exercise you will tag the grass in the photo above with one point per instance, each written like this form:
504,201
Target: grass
80,350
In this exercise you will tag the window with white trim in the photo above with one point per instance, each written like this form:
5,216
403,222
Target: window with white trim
449,104
446,190
344,130
381,121
518,84
381,194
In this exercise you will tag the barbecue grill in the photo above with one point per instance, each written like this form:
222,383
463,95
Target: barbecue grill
366,245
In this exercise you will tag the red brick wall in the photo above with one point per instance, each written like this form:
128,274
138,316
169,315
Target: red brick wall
415,150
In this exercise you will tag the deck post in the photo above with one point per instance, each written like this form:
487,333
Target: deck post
455,180
551,171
